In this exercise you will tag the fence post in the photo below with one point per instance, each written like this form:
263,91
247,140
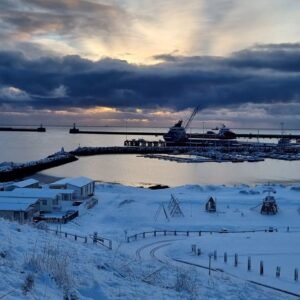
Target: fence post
95,237
199,251
135,236
296,274
187,233
209,264
277,272
249,264
110,244
175,233
194,248
225,257
75,237
165,232
127,239
66,235
215,255
261,268
154,232
236,262
143,234
85,239
199,233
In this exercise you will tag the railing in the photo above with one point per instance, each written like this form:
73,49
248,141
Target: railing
156,233
95,239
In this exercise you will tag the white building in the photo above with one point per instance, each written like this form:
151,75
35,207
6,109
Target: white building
27,183
83,187
49,199
19,209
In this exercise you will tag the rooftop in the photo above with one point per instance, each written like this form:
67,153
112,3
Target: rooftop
24,183
34,193
16,204
76,181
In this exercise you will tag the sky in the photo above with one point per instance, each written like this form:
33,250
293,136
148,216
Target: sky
149,63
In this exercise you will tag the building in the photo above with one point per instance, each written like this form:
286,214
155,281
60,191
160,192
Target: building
211,205
27,183
19,209
49,200
83,187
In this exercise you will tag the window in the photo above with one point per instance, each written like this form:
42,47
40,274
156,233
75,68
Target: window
44,202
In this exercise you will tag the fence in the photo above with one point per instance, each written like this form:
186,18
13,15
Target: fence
156,233
213,255
107,243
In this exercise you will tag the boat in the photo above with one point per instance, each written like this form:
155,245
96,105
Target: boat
226,133
284,141
176,134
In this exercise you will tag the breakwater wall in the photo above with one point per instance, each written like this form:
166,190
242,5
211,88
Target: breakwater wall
12,171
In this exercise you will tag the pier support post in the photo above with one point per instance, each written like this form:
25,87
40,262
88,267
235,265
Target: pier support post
225,257
296,274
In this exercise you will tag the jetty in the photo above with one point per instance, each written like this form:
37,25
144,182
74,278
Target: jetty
11,171
24,129
191,136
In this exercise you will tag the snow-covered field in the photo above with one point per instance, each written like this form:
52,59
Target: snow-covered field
161,267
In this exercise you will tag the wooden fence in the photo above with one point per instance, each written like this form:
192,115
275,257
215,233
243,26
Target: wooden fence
157,233
95,239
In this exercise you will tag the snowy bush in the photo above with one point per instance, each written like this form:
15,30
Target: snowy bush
186,282
51,260
28,284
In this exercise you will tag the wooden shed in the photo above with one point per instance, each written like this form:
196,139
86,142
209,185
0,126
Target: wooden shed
211,205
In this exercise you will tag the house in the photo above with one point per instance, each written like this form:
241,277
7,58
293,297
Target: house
27,183
17,209
83,187
49,200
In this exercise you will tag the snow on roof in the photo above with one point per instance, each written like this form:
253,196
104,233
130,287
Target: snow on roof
76,181
24,183
35,193
16,204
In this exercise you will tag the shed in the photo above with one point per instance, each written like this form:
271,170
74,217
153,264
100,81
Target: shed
21,210
211,205
83,187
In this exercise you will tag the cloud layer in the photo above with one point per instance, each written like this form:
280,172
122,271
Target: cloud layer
145,59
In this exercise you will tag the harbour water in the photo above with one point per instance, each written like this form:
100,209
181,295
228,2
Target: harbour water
134,170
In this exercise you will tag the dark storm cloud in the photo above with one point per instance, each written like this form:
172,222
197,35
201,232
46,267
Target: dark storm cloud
264,74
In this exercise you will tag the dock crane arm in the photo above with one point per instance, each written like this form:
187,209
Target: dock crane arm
195,111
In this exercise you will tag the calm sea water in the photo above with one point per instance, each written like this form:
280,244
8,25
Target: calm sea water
133,170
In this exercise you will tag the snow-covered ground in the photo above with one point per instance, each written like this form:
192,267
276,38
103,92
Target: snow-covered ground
160,267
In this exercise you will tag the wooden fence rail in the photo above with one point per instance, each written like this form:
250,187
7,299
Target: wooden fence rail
95,238
156,233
